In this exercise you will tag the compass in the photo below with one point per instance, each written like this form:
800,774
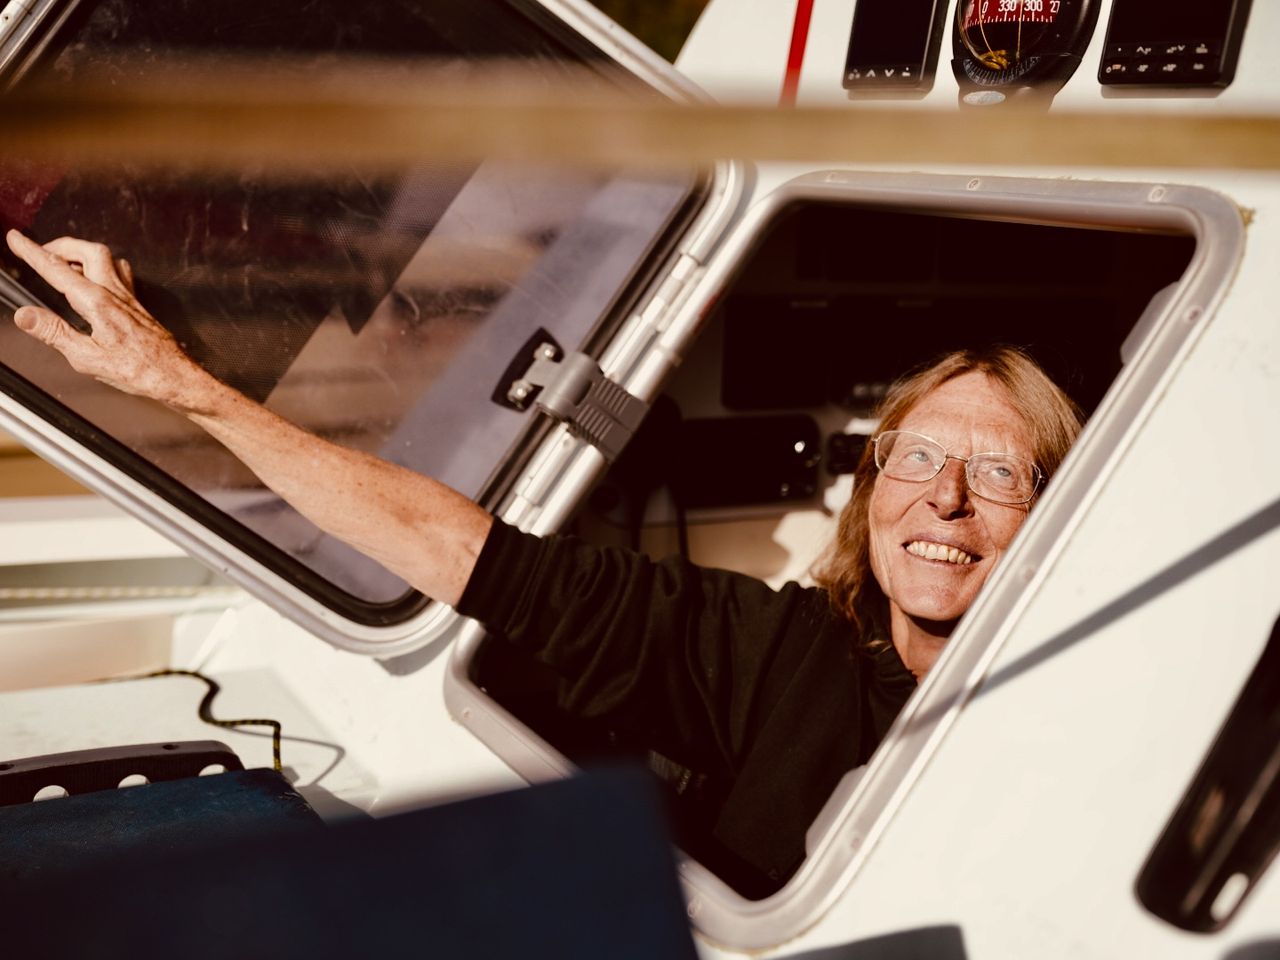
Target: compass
1004,48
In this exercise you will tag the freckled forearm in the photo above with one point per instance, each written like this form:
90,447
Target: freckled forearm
417,527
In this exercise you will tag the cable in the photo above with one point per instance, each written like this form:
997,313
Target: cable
205,713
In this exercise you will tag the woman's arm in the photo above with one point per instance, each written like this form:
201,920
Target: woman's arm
418,528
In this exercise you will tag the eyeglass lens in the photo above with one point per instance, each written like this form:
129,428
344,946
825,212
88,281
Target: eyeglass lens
1002,477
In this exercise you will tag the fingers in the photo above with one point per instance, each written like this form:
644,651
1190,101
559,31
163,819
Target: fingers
125,270
96,260
53,268
126,347
97,286
44,325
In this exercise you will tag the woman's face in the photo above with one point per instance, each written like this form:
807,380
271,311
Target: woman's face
967,415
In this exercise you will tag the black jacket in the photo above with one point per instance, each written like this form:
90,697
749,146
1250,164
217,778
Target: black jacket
766,694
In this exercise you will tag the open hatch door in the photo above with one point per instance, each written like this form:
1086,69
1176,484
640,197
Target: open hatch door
397,314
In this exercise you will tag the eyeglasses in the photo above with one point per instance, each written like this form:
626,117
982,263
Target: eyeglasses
999,477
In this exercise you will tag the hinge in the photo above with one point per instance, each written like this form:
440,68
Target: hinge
573,389
672,292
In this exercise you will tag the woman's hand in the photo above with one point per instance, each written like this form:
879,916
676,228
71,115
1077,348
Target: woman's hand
415,526
127,348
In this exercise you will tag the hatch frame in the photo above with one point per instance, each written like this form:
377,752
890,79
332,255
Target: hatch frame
862,807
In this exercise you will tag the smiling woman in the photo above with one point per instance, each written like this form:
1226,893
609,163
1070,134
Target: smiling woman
722,678
890,569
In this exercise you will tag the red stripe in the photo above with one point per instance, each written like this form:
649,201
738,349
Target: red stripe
795,58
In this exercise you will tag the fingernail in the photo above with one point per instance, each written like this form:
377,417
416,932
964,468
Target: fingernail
25,318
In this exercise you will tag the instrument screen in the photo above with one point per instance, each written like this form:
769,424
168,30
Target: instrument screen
1154,42
894,46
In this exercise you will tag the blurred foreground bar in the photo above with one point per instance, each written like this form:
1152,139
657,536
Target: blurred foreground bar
380,119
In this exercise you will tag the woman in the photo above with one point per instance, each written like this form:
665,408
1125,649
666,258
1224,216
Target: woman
769,697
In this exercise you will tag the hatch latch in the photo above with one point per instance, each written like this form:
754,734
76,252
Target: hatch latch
574,389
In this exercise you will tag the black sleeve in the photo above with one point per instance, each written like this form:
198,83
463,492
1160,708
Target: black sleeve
696,657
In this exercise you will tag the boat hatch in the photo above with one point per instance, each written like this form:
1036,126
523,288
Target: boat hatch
398,314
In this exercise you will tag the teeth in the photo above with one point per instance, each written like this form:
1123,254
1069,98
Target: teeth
936,551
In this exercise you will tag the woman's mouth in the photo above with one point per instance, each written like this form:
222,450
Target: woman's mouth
929,550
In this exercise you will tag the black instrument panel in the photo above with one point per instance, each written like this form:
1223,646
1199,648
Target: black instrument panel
1154,43
893,47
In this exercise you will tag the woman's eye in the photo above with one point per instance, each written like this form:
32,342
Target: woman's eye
1002,473
917,456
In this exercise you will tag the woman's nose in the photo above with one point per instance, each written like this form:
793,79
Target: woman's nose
949,494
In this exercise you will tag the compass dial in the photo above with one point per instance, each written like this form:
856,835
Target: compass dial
1003,36
1029,45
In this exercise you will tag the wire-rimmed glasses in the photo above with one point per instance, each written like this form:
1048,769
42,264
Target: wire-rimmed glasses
999,477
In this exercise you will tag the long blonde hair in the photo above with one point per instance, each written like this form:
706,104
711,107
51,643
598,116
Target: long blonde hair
1054,420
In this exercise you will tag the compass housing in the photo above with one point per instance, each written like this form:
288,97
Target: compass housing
1005,49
